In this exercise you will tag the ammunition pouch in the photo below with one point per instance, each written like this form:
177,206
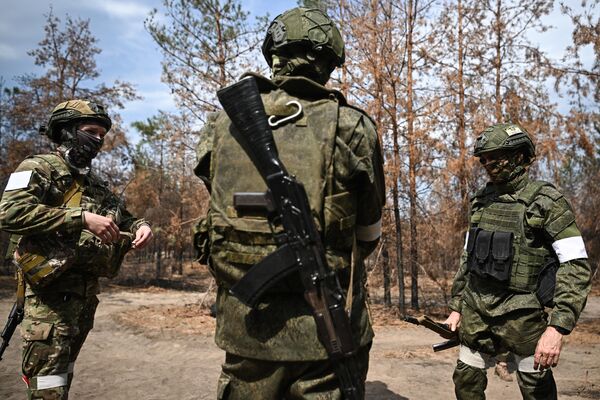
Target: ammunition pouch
42,259
547,282
100,259
490,254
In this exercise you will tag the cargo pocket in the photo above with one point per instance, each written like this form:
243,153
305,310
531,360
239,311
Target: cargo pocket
340,220
37,348
502,256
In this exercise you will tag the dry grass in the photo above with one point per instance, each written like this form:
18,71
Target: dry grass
169,321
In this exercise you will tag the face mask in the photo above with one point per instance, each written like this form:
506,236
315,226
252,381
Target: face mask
504,169
85,148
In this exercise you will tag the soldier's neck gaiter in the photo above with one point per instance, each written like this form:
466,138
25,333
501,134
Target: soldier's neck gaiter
85,148
300,65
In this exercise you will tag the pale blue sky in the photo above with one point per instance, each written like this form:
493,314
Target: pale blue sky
129,54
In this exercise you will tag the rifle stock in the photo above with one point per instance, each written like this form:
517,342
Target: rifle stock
441,329
243,104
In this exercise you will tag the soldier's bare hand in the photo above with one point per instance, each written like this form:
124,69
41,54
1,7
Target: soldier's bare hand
102,227
453,320
548,349
142,237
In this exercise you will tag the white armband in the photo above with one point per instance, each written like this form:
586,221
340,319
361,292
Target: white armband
368,233
569,249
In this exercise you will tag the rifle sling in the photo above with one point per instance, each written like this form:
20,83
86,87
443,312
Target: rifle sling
262,275
20,289
350,292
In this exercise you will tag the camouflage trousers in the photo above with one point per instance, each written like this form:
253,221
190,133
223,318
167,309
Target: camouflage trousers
245,378
483,338
54,328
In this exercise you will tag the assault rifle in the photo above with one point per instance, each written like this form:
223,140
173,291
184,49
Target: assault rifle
14,319
299,246
441,329
16,313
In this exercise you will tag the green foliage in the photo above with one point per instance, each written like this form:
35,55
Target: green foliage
206,44
67,55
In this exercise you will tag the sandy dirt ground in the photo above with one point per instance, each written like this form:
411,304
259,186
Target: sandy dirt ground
155,344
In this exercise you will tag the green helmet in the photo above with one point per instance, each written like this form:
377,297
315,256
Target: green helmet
72,111
308,27
509,137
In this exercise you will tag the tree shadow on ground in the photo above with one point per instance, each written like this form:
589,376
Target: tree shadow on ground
378,390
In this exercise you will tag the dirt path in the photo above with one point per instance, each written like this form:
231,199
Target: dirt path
119,362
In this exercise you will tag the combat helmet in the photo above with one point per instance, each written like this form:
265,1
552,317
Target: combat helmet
508,137
72,111
308,27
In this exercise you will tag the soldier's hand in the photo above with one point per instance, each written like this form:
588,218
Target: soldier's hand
453,320
102,227
548,349
142,237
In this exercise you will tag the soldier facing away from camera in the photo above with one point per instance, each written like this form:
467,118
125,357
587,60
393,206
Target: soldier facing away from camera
523,256
68,230
273,351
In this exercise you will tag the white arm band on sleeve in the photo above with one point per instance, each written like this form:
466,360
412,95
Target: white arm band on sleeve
368,233
569,249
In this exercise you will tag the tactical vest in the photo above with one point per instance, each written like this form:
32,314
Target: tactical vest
45,257
503,245
306,147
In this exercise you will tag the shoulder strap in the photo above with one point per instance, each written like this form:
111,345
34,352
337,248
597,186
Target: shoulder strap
72,197
58,166
529,192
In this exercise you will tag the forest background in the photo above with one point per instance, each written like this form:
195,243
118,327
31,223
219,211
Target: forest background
431,73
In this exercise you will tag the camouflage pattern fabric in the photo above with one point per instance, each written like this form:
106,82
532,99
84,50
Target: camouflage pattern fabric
35,212
53,330
58,316
516,332
497,317
470,384
332,149
244,378
548,218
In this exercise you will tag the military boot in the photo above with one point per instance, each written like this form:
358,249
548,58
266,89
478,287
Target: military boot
502,371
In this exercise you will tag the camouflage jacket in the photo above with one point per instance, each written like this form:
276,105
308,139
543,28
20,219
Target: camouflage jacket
549,223
32,206
334,151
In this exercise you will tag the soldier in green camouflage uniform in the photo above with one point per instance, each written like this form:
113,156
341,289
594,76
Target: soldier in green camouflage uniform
77,241
273,352
518,228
